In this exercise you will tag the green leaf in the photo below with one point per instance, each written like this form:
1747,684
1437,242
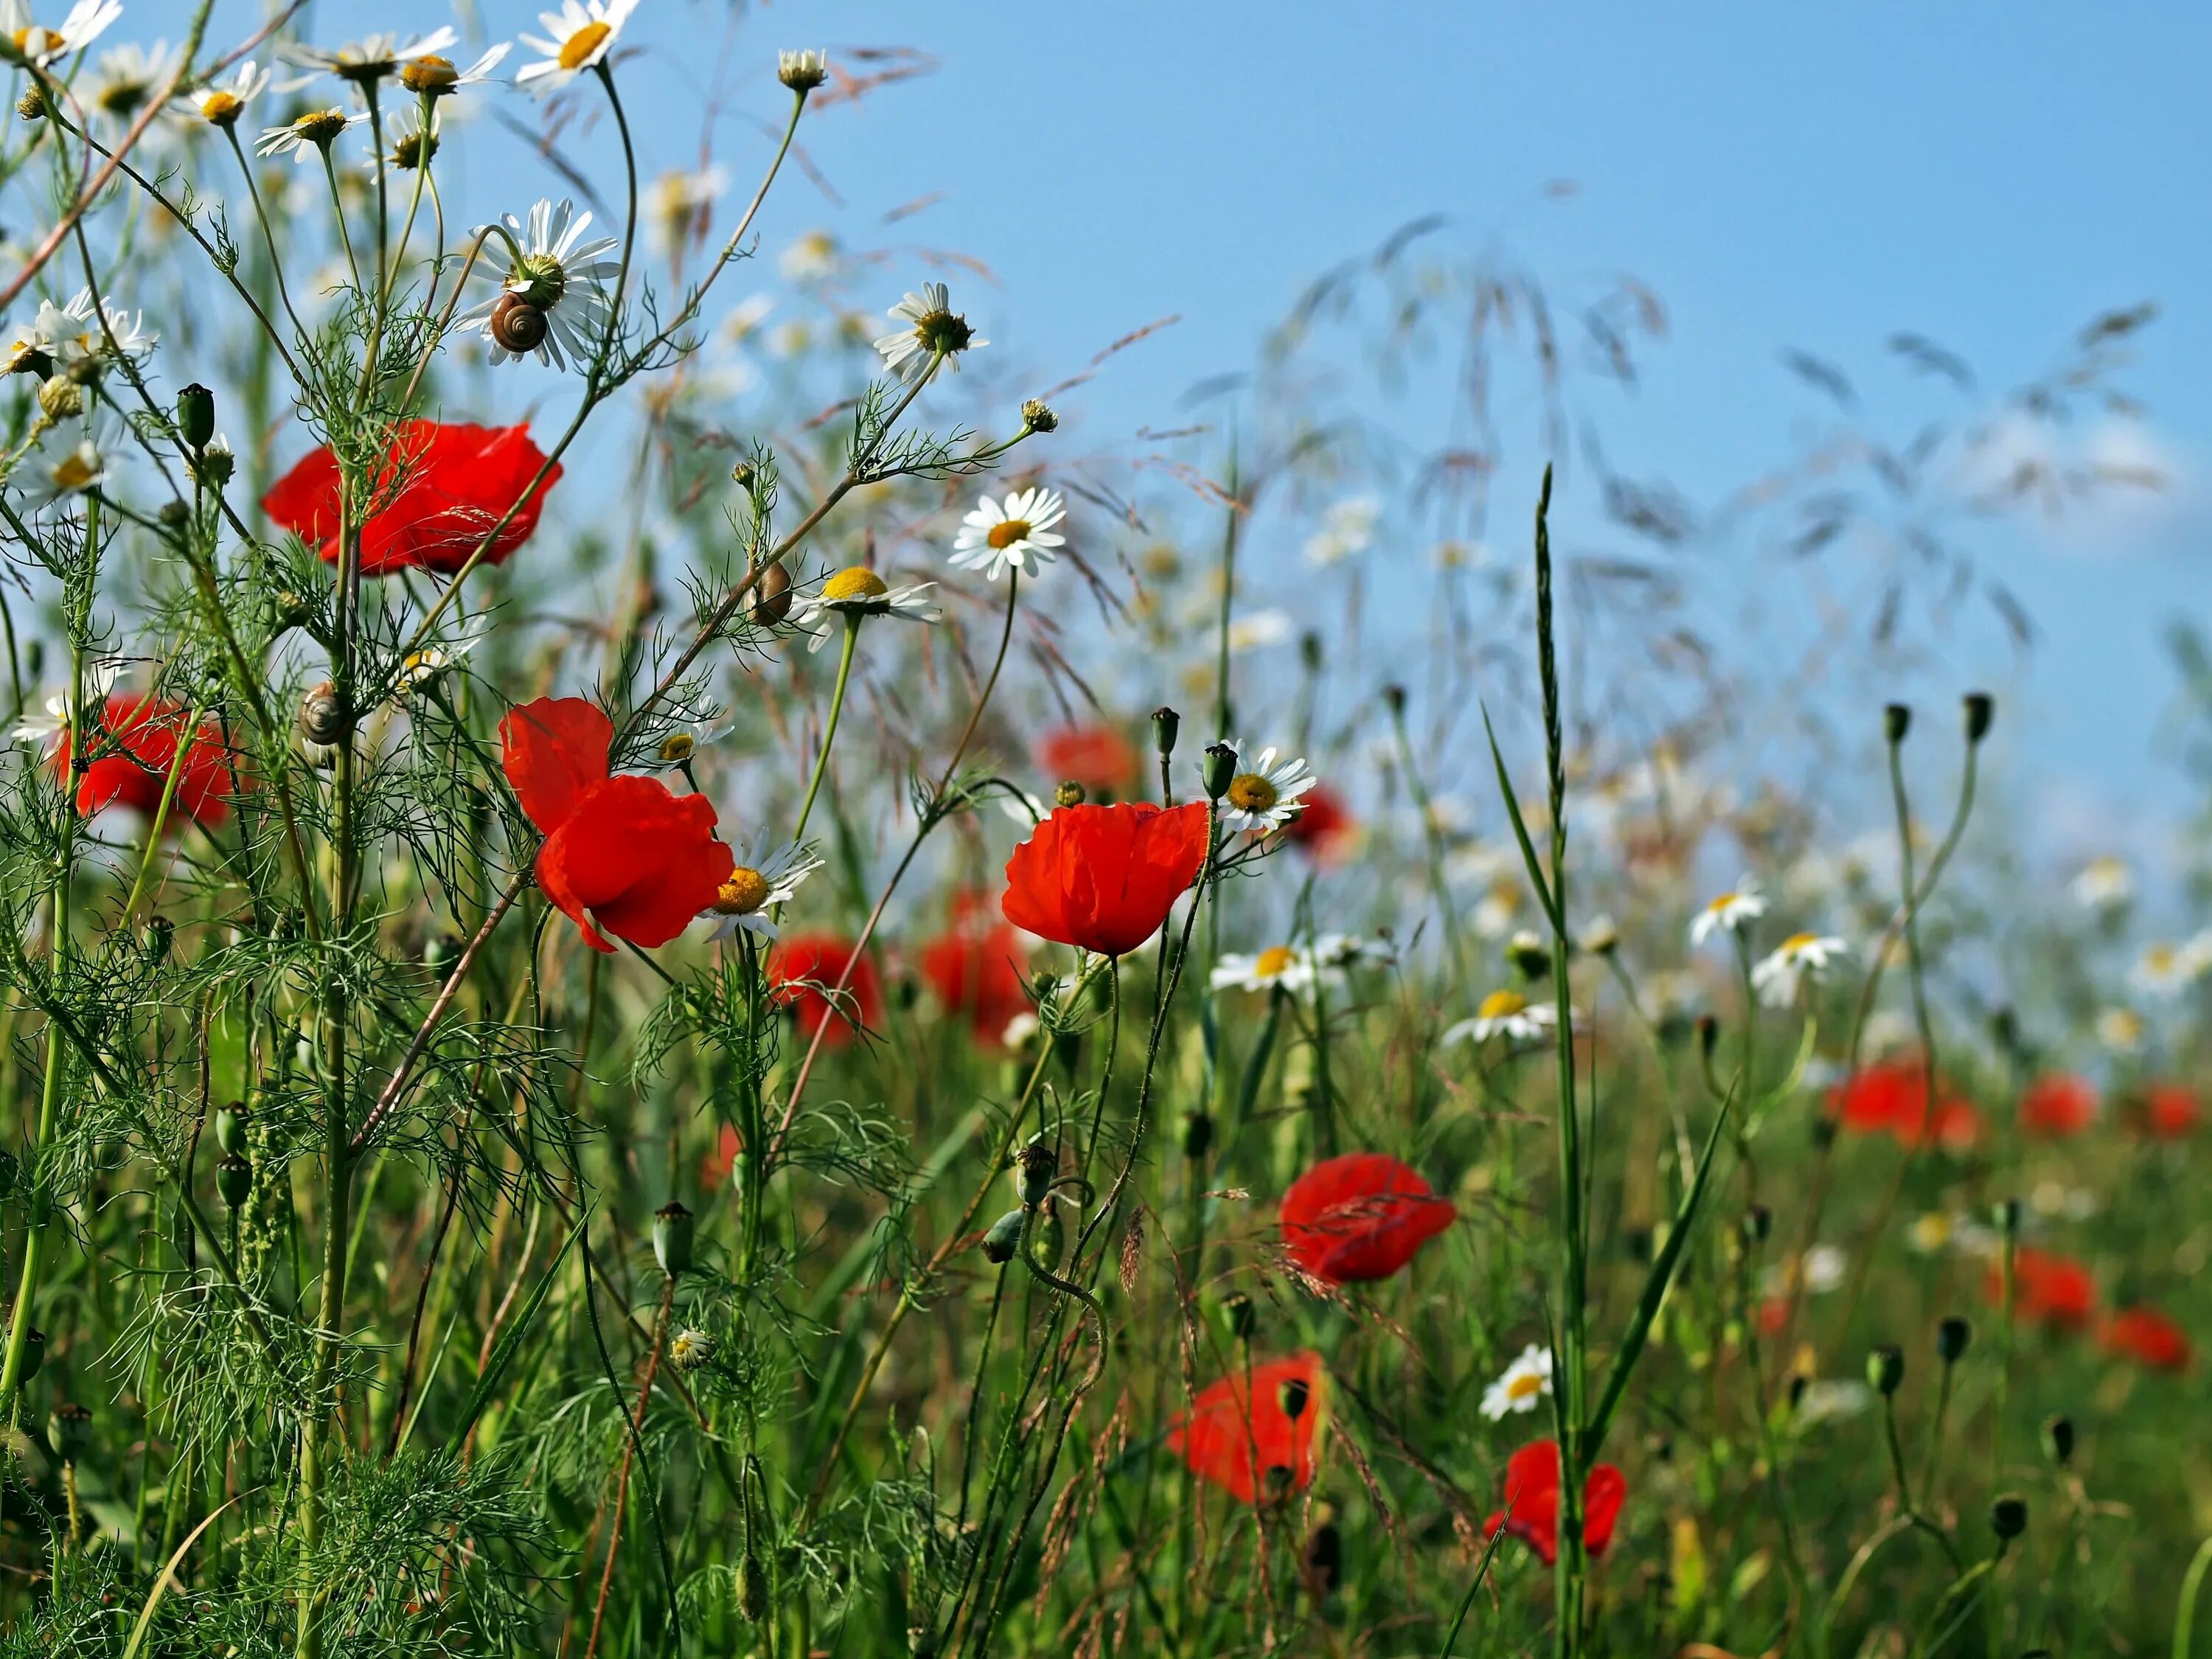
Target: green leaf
1521,832
510,1343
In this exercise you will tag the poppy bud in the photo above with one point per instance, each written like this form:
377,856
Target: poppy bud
1394,699
1952,1335
2008,1516
752,1589
1243,1317
1166,724
1758,1223
1197,1136
1296,1393
1219,770
1323,1558
771,601
1885,1368
1037,416
1070,793
2006,1213
231,1123
323,717
1038,1163
35,1351
517,325
1980,710
2058,1439
1003,1238
234,1179
1896,721
161,933
672,1228
195,415
69,1426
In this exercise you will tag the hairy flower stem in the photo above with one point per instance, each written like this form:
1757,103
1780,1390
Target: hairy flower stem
829,736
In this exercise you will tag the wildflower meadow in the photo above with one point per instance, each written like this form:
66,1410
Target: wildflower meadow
685,974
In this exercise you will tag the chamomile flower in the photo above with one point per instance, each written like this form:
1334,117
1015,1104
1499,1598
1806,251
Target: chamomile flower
46,476
551,293
2165,970
83,331
1347,528
1520,1386
810,258
1015,535
767,875
219,103
1507,1014
678,205
1258,630
1828,1400
933,331
125,77
310,136
1729,912
577,37
370,59
428,75
1264,796
2104,883
688,1349
88,19
858,592
1778,976
2120,1029
100,676
802,71
1278,967
1334,952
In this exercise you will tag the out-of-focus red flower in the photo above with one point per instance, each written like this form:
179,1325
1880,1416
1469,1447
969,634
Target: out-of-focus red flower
977,971
1532,1502
1104,879
1360,1216
1324,829
1098,757
625,854
1773,1315
453,483
2058,1105
2148,1337
135,750
1262,1450
2170,1112
714,1167
1892,1097
803,966
2049,1289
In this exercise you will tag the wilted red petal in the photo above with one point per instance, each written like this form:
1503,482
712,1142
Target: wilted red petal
1104,879
641,861
1233,1448
2058,1105
800,964
1360,1216
553,750
2148,1337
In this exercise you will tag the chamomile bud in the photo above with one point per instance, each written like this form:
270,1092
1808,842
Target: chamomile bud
1980,708
61,399
1529,955
672,1232
1896,721
1069,793
802,71
1037,417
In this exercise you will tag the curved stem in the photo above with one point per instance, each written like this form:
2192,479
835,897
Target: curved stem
830,731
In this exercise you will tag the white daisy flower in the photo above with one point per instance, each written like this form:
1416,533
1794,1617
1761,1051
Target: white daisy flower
810,258
2165,970
767,875
556,290
1777,976
430,75
100,676
1278,966
125,77
1020,1029
45,475
1257,629
1506,1014
1334,952
677,206
79,332
802,71
1828,1400
1520,1386
1024,809
1728,912
219,103
2120,1029
1346,529
579,37
308,137
2104,883
1018,535
1265,797
859,592
368,60
88,19
933,331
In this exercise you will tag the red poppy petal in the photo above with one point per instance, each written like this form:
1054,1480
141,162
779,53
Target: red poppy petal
1603,1494
642,860
553,750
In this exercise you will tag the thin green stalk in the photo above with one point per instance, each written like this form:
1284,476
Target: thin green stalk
830,731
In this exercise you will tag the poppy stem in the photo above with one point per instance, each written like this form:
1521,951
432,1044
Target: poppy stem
830,733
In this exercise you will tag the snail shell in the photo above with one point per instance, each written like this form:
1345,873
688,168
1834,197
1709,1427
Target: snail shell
517,325
771,598
323,719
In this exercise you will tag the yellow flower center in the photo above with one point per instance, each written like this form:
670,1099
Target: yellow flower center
321,126
1721,903
576,51
1006,534
1525,1385
122,97
2159,958
1250,793
1501,1005
1273,962
1796,943
858,583
431,74
74,473
742,894
676,748
34,41
222,108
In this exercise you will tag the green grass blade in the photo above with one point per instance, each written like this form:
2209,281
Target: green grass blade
510,1344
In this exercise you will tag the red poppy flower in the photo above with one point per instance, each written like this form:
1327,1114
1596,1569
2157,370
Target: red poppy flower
1266,1450
1323,831
625,852
977,971
2148,1338
1097,756
1360,1216
1532,1502
1104,879
2170,1112
135,748
802,966
2058,1105
1892,1097
2048,1288
453,483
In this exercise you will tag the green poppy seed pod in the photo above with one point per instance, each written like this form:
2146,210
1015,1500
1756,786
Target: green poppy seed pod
1952,1333
1980,708
1038,1163
1003,1238
771,598
68,1427
2006,1213
1167,725
35,1351
2058,1439
752,1589
1070,793
231,1124
1243,1317
1394,699
195,415
1885,1368
1219,770
161,933
1197,1136
234,1179
2008,1516
672,1229
1758,1223
1037,416
1295,1394
1896,721
441,952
